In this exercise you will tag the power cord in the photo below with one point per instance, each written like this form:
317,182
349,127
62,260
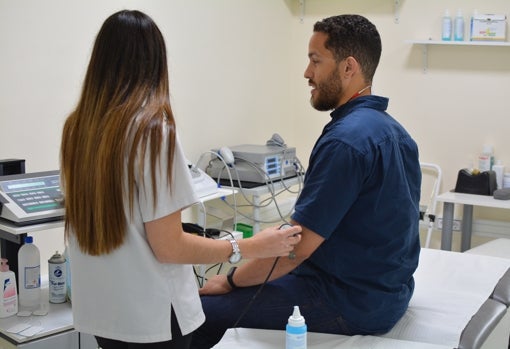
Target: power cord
207,233
259,290
248,306
269,182
218,156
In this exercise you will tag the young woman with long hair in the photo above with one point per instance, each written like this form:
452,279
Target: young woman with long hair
125,182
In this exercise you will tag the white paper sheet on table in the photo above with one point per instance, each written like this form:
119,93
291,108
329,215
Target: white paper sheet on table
450,288
272,339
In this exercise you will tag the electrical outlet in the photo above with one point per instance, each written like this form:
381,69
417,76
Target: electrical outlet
457,224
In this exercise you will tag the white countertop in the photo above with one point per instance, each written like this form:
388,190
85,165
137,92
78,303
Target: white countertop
58,319
471,199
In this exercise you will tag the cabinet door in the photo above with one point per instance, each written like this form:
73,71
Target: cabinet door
88,341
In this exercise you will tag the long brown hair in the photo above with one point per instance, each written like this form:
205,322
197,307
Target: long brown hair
123,111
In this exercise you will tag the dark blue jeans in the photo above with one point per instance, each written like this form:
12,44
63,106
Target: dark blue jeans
270,310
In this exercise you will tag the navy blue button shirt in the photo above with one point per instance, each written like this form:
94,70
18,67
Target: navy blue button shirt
361,193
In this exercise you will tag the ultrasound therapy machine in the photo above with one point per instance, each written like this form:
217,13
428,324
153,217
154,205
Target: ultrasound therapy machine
259,171
26,199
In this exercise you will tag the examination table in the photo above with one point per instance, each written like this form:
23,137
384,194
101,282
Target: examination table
460,301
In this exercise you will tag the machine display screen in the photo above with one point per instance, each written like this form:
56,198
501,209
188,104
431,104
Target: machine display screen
272,166
34,194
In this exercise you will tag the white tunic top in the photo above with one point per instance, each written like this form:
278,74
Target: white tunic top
127,294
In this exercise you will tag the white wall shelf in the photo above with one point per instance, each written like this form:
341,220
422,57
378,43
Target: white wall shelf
459,43
396,10
426,43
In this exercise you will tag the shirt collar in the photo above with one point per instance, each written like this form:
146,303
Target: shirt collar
370,101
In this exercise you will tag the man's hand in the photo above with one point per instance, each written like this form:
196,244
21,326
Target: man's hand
215,286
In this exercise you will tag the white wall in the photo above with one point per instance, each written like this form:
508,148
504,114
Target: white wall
236,76
227,63
228,73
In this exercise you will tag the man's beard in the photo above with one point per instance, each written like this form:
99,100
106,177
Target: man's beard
328,93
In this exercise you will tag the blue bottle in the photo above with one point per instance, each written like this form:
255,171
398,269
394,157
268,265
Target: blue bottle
459,27
295,332
446,34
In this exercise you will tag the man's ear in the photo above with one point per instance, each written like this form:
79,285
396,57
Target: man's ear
351,67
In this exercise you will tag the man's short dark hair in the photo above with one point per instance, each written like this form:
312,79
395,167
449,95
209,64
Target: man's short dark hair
352,35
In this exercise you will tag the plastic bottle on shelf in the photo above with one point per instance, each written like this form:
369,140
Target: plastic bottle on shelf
295,331
447,27
9,301
29,273
499,169
459,27
475,13
486,159
506,180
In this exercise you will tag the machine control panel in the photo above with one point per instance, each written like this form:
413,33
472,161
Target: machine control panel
31,198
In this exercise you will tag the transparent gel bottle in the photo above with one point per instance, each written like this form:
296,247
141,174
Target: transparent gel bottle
295,332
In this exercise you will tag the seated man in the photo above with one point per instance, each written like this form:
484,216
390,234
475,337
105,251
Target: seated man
352,273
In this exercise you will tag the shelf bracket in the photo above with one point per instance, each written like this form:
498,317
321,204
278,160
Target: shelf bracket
302,11
425,58
396,12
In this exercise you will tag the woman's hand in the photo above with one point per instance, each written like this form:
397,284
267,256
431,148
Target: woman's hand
262,247
271,242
